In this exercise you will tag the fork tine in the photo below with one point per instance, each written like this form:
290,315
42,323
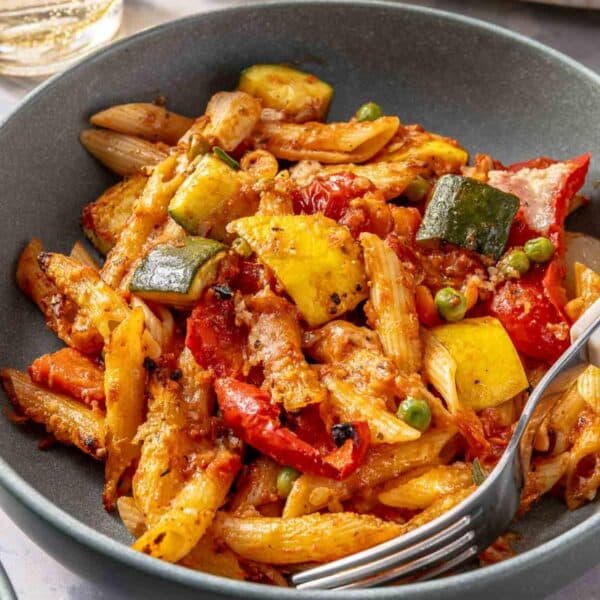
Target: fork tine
443,526
449,564
414,566
383,564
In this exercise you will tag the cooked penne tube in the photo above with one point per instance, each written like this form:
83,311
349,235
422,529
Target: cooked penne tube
192,510
256,487
310,538
583,471
68,420
196,387
440,369
564,417
417,491
232,118
349,405
71,325
588,387
310,493
392,310
147,121
275,343
104,219
83,286
159,475
80,254
546,472
353,142
390,178
149,212
260,163
124,383
210,557
123,154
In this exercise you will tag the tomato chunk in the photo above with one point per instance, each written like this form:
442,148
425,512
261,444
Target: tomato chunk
213,337
527,307
70,372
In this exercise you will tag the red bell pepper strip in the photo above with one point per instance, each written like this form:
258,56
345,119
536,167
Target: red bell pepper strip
70,372
544,186
213,337
248,411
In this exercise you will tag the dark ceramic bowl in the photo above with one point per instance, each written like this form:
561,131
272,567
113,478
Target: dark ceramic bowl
495,91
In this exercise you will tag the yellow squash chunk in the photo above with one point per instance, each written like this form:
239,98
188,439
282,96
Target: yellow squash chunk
300,96
315,260
488,368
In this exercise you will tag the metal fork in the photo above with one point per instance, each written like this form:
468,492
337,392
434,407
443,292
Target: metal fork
471,526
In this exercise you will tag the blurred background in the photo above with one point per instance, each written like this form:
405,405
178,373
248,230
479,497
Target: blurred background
38,37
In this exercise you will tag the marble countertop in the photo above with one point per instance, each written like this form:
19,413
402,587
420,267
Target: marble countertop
37,576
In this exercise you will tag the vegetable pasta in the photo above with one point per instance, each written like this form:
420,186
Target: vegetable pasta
300,338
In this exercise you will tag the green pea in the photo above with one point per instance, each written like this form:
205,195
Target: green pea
285,481
539,250
451,304
514,264
417,189
415,412
228,160
369,112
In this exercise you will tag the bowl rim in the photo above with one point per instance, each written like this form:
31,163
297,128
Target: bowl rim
99,542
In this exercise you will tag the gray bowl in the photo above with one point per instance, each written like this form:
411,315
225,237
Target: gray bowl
495,91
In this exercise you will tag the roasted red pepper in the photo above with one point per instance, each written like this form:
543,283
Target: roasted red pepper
248,411
544,187
70,372
527,307
213,337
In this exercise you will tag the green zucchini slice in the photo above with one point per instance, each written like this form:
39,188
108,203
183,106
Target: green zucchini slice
470,214
177,275
301,96
204,202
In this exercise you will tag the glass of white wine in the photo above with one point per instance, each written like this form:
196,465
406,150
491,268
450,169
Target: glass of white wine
40,37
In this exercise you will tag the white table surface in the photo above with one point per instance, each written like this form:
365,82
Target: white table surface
37,576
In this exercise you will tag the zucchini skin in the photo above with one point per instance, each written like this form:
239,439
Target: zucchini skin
177,274
470,214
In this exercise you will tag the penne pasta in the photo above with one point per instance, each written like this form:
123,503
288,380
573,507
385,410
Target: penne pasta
330,143
564,417
232,117
546,472
310,493
144,120
392,310
123,154
260,164
210,557
80,254
588,387
349,405
419,490
69,421
124,383
70,324
583,471
83,286
191,512
310,538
